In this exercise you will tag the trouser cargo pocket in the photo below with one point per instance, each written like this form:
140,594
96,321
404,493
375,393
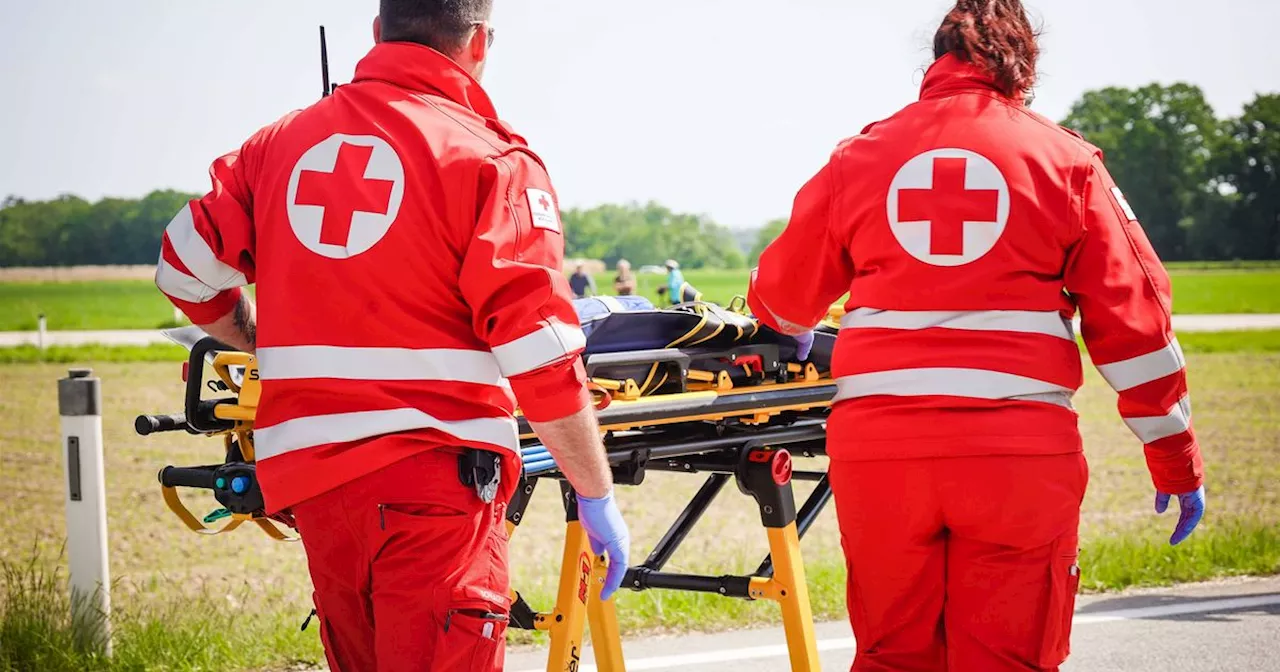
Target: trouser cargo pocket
474,638
1064,583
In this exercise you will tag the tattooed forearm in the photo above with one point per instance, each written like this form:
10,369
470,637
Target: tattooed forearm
245,318
238,328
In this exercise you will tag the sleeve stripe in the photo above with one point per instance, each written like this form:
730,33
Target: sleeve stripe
181,286
197,256
785,326
1151,429
1049,323
1130,373
551,343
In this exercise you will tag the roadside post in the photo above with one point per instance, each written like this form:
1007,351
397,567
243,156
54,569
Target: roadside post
41,326
80,408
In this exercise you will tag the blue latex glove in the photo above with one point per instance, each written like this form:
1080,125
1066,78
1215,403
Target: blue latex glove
804,343
1192,507
608,535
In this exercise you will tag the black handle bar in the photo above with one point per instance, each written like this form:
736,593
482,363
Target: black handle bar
153,424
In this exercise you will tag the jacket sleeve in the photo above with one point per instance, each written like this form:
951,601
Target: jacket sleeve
207,251
1125,300
520,300
806,268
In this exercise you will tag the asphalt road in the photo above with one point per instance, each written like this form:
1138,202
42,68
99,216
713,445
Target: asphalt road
1224,626
1186,323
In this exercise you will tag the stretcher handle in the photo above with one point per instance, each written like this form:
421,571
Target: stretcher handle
153,424
187,477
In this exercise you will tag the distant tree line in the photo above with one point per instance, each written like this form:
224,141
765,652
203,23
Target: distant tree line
1205,189
68,231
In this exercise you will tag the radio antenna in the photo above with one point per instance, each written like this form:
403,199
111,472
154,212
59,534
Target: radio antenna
324,64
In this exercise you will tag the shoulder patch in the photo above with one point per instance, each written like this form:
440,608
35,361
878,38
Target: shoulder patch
542,205
1124,204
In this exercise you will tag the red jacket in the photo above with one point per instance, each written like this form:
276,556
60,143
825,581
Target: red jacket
967,230
406,246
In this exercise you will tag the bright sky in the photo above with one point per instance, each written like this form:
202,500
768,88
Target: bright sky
723,107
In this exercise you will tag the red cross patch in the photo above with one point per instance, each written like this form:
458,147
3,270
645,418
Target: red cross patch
948,207
344,195
542,205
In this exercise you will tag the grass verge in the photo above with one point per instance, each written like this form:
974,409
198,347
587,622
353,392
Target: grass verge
1199,287
177,589
1254,341
77,354
202,633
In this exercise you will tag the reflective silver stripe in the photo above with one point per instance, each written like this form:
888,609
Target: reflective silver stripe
1130,373
787,327
181,286
197,256
548,344
1049,323
317,430
1176,421
951,382
349,363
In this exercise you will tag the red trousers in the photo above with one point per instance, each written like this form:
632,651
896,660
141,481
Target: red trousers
410,570
963,564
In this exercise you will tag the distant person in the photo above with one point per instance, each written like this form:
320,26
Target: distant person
624,284
967,230
393,440
581,282
675,282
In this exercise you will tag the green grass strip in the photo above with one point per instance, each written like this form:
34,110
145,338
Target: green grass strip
84,354
1263,340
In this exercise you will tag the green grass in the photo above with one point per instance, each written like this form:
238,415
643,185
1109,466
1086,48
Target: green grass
1257,341
1232,548
1200,287
176,591
108,304
208,633
1226,291
77,354
1237,264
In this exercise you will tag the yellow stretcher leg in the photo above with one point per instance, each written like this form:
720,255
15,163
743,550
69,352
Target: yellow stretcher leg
606,638
566,622
793,596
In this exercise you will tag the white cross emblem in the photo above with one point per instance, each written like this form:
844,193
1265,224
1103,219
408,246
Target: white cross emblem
948,207
344,195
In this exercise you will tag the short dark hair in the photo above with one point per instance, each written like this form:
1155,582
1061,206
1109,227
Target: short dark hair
442,25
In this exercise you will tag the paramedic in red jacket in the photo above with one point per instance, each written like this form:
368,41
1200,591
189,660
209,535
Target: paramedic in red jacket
967,231
406,246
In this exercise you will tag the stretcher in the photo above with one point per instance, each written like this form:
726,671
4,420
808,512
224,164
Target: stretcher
698,389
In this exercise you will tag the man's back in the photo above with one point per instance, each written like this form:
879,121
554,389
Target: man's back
399,236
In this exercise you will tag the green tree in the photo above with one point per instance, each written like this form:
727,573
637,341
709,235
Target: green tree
767,235
1158,142
1248,168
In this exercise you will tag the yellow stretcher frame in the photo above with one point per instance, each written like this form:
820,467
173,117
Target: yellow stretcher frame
578,604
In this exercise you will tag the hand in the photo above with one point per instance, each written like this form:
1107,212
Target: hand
1192,506
804,345
608,534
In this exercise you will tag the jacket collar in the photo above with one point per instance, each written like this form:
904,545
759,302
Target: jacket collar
423,69
950,75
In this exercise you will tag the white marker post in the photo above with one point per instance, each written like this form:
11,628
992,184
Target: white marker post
40,329
80,405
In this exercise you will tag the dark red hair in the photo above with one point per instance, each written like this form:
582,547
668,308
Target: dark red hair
995,35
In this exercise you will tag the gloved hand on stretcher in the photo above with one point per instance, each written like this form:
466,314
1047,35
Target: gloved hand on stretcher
1191,506
609,536
804,345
